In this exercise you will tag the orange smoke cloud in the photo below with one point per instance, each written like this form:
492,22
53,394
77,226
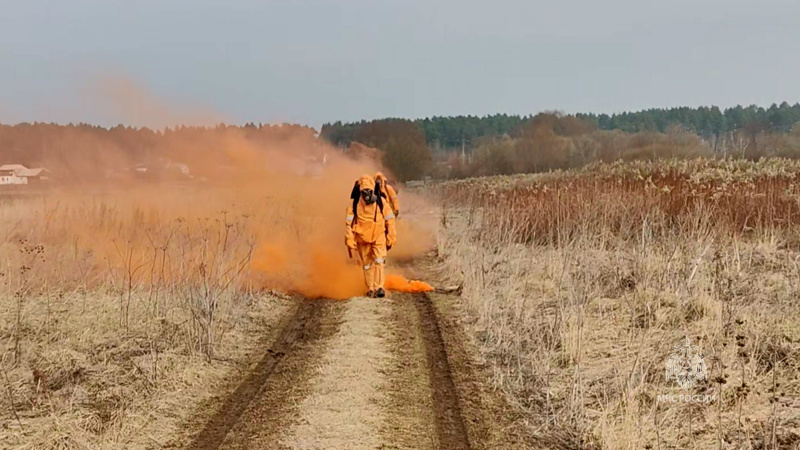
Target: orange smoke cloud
123,100
399,283
274,198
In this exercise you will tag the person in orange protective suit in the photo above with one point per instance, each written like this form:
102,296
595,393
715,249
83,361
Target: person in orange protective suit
388,192
370,232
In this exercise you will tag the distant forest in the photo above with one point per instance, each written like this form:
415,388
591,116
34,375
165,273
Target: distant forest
91,152
707,122
439,147
465,146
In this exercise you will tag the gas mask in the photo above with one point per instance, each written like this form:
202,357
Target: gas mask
369,196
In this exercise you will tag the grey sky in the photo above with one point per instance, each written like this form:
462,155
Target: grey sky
323,60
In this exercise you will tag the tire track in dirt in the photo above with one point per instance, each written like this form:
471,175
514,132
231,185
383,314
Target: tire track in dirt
490,421
450,427
266,387
276,407
410,417
361,373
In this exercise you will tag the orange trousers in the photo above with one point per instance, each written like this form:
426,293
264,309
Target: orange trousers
373,259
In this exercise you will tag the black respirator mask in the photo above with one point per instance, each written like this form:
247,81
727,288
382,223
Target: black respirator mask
369,196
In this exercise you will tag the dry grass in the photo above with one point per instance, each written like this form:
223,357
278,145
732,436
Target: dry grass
621,201
120,311
79,382
577,286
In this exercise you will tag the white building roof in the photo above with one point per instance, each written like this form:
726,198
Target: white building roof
13,167
22,171
29,172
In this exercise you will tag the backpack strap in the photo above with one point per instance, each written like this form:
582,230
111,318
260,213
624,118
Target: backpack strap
355,195
379,195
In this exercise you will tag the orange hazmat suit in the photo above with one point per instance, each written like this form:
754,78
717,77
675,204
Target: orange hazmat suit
389,193
369,230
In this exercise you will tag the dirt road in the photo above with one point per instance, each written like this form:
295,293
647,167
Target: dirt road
363,374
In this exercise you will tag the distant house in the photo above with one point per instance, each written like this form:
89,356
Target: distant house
19,174
8,174
161,170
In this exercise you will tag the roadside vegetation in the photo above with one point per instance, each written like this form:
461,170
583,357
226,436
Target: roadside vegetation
119,312
577,285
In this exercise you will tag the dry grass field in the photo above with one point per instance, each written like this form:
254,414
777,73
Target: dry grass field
578,285
120,309
124,310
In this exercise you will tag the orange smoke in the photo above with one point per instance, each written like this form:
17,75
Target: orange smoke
261,206
399,283
124,100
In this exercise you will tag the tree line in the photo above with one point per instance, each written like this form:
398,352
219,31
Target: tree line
88,151
440,132
444,147
549,141
704,121
709,122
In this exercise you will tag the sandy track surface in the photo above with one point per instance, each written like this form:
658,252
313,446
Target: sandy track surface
364,374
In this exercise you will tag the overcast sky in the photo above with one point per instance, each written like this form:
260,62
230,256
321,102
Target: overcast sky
314,61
